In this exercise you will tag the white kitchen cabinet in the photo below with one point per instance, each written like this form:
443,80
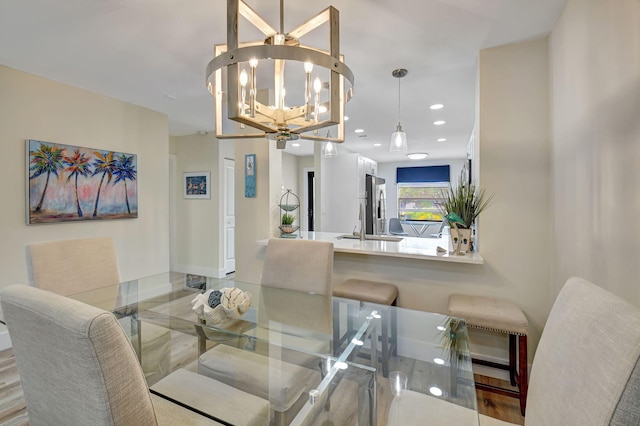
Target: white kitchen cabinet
343,183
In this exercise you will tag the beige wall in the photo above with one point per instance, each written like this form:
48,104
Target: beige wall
595,79
36,108
197,235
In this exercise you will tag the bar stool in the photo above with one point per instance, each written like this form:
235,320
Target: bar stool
380,294
504,317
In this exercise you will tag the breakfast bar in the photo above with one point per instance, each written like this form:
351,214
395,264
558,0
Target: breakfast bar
392,246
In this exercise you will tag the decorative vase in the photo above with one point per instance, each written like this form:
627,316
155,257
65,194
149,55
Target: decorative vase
460,240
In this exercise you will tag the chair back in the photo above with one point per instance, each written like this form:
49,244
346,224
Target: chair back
301,265
72,266
395,227
76,365
586,369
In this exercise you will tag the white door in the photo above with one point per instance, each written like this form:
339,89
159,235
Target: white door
229,217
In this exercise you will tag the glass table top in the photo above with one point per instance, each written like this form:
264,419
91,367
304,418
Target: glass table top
289,329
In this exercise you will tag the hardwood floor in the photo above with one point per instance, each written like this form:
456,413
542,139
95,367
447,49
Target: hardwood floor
13,408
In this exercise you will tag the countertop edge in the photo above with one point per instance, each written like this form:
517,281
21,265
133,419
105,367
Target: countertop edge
416,253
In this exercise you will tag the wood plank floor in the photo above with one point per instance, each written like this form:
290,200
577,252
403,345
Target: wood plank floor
13,410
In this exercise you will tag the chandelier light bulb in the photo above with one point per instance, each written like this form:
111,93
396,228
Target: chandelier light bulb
308,67
243,78
317,85
253,63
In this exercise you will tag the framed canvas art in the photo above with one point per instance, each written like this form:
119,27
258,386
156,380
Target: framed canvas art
196,184
250,176
71,183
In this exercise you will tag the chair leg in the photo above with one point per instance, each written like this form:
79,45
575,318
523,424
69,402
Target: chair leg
336,327
394,329
512,359
523,374
385,343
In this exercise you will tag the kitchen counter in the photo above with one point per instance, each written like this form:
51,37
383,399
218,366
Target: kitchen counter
409,247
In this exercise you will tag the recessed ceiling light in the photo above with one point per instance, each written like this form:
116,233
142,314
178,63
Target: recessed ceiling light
436,106
442,140
438,361
346,118
417,156
436,391
359,130
441,328
322,109
439,122
295,145
377,144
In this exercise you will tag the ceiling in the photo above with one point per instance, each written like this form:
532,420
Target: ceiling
153,53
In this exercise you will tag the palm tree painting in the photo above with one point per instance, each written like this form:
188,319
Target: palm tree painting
77,165
125,169
105,165
65,182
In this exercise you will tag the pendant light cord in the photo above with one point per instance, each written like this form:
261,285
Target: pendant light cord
399,100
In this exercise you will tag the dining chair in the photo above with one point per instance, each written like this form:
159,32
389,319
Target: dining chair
77,366
301,265
586,369
395,227
73,266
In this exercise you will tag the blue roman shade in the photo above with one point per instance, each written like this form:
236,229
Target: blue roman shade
422,174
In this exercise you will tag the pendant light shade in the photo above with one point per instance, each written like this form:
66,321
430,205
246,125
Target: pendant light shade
398,140
329,149
399,137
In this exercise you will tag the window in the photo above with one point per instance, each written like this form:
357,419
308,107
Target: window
419,200
419,189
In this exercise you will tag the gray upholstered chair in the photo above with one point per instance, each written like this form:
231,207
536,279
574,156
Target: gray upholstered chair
77,366
395,227
586,370
73,266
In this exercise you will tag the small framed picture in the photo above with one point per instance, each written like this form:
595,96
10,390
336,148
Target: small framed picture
196,184
250,176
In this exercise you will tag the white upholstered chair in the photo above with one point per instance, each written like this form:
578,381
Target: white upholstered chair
586,370
302,265
73,266
77,366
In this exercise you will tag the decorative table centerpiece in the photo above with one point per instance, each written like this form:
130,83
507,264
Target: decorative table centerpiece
216,306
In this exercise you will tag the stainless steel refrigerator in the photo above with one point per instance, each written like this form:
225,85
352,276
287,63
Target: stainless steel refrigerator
376,211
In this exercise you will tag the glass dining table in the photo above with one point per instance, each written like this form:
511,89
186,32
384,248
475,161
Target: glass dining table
314,359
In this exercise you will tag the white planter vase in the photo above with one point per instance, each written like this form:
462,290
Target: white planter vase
460,240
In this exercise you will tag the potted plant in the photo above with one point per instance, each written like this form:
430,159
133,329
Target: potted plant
460,206
287,223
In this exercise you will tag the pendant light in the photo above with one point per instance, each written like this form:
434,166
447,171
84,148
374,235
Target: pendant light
399,137
329,148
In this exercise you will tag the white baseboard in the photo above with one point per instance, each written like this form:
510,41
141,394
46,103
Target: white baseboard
199,270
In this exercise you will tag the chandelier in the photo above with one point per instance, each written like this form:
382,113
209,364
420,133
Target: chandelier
319,82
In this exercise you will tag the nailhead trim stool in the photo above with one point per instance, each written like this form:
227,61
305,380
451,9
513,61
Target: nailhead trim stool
380,294
504,317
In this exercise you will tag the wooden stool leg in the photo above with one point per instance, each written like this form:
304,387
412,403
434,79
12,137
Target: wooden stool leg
523,374
512,359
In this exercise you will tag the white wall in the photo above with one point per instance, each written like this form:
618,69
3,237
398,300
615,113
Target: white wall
595,79
197,236
36,108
